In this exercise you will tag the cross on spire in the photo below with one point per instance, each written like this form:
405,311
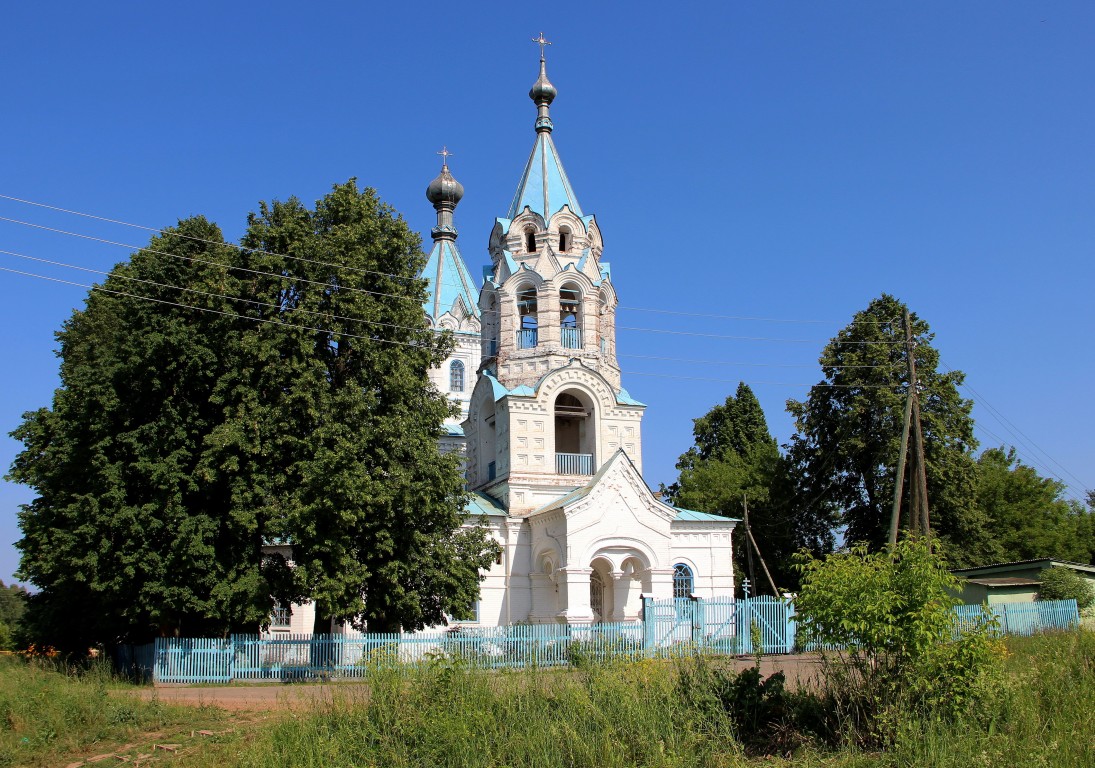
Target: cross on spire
542,42
445,155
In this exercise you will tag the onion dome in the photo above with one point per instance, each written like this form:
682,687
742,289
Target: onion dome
445,189
543,92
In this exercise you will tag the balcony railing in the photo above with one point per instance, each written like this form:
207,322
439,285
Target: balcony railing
574,463
572,338
526,338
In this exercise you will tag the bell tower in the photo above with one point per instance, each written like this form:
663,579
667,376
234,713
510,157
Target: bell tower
548,409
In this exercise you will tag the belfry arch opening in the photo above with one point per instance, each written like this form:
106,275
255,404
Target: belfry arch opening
570,304
527,309
575,432
565,239
530,240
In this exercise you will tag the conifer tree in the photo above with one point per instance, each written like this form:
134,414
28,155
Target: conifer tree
849,430
735,459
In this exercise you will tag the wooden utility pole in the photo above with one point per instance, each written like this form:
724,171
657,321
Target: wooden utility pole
749,534
899,480
918,482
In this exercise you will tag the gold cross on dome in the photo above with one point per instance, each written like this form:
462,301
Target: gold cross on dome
542,43
445,155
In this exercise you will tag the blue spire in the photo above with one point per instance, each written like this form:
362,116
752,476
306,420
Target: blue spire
544,186
450,283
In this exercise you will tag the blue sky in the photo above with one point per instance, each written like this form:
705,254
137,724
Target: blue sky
788,161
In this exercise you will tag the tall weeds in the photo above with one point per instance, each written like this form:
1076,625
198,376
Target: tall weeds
49,710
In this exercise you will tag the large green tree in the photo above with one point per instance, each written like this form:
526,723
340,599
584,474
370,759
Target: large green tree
735,459
214,400
849,428
1029,515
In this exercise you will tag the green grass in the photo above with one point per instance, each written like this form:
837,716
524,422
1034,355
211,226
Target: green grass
51,714
1040,712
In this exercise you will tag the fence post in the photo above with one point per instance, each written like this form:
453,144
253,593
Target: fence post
698,620
648,623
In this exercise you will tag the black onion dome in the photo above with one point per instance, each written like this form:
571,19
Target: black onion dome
444,189
542,90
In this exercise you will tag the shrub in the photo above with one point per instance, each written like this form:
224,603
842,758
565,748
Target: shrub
891,613
1060,583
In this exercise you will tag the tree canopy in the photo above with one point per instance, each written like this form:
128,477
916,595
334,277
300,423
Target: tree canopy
735,458
1029,515
849,431
216,399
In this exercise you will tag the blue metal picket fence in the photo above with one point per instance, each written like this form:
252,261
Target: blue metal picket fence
674,627
1021,618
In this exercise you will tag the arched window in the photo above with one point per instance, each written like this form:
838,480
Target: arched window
569,305
456,376
530,240
683,583
564,239
526,307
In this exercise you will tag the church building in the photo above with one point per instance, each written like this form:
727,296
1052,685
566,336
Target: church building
552,440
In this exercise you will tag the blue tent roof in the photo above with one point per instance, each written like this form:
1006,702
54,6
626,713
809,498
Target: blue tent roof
544,185
449,281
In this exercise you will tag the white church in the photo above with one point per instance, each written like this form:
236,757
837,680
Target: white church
552,440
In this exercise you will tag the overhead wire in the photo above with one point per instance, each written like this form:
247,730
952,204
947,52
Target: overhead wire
101,289
167,232
1007,424
206,293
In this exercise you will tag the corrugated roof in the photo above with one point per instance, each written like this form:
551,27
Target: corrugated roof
1048,560
544,186
450,281
1006,582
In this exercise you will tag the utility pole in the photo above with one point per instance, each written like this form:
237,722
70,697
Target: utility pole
918,482
749,534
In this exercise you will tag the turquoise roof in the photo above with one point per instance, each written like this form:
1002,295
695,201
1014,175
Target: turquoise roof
482,504
544,185
623,398
449,281
453,430
692,515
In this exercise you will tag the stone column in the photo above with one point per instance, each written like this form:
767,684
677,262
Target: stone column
575,594
621,589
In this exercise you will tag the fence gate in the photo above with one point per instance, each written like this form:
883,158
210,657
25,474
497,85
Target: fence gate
773,618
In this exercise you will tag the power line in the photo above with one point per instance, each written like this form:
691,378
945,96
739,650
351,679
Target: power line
766,383
208,293
752,338
214,311
169,233
204,261
748,365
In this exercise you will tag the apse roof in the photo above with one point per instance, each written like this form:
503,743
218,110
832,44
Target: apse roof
449,281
